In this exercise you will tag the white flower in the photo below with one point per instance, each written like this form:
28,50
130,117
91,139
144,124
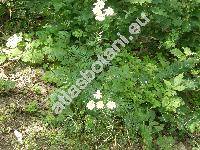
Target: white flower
99,14
13,41
90,105
99,4
18,135
109,11
97,11
100,18
100,105
111,105
98,95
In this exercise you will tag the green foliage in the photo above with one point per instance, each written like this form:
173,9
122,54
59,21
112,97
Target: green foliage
2,58
165,143
6,85
32,107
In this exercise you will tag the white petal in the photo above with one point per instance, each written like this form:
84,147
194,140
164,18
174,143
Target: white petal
18,135
13,41
98,95
100,18
109,11
100,4
97,11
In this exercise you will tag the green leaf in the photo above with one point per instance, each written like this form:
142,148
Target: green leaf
178,79
176,52
167,83
2,59
187,51
180,88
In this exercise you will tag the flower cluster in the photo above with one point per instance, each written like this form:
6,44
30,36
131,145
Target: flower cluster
100,105
100,12
13,41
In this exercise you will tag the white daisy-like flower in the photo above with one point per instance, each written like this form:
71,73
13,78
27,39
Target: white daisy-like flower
111,105
19,136
13,41
100,105
98,94
90,105
109,11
